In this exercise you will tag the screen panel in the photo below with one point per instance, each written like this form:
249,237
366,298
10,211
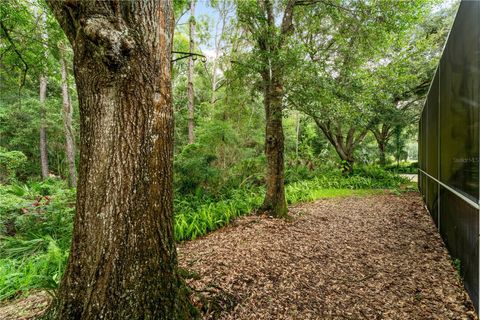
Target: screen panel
424,138
459,107
449,144
420,155
459,230
424,187
432,199
432,128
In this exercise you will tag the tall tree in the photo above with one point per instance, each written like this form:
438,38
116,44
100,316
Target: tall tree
223,7
191,66
123,262
344,45
407,76
43,112
67,112
270,41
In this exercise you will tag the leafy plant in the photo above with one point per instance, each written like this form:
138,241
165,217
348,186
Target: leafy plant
37,218
457,264
11,162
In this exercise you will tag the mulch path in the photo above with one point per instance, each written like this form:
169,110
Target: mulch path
374,257
26,308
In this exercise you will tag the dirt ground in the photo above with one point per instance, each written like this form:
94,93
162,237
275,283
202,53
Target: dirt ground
374,257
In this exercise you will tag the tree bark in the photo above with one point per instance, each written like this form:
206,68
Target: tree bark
223,12
270,42
123,262
274,202
382,136
297,132
67,112
381,149
42,97
43,129
191,92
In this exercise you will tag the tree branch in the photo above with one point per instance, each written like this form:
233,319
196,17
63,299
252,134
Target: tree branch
12,43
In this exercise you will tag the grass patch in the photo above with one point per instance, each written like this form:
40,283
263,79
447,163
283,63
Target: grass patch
312,195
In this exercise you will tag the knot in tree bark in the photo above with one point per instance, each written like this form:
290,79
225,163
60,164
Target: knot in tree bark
271,141
114,44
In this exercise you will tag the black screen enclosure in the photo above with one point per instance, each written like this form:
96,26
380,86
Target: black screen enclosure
448,145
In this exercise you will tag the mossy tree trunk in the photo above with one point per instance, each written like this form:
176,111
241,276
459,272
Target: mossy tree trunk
123,262
274,202
270,40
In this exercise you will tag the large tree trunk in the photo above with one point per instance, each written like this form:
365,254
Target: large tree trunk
345,152
274,202
344,147
347,160
382,136
67,112
191,92
43,130
123,262
383,160
381,150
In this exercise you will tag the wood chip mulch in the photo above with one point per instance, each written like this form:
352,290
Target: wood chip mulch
374,257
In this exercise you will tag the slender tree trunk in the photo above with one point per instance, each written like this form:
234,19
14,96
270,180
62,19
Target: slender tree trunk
191,92
123,262
274,202
67,112
42,97
214,72
218,40
214,81
43,129
381,149
297,133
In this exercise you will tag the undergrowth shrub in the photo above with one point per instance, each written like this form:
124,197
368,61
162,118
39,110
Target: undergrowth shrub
36,219
403,167
11,163
194,170
192,222
35,236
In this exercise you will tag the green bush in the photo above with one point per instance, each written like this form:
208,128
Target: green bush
194,171
403,167
11,162
248,172
297,173
36,228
